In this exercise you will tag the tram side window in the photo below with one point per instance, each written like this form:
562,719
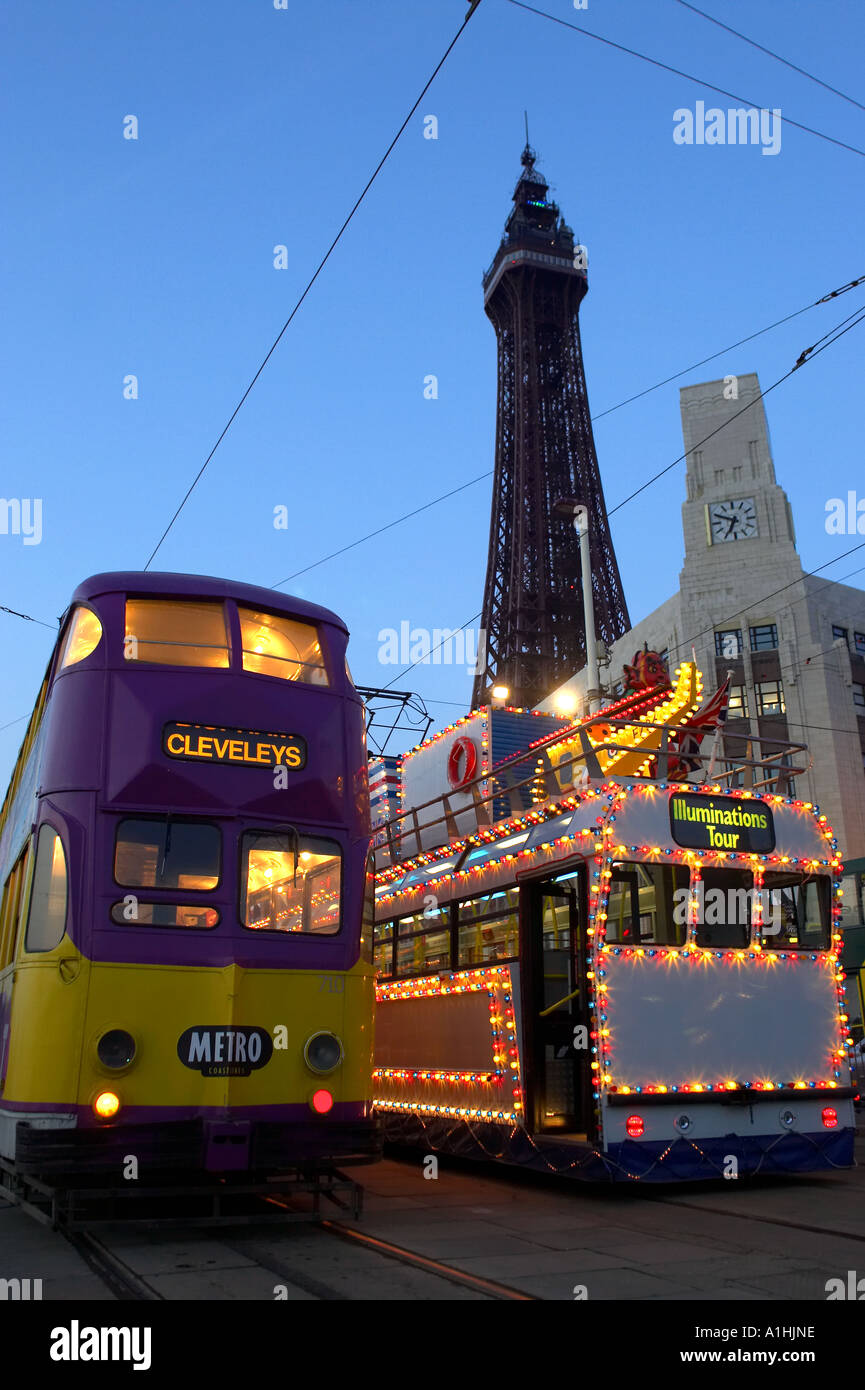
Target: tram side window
167,853
383,955
47,920
10,912
367,922
489,927
175,632
724,911
290,883
285,647
796,911
648,903
423,944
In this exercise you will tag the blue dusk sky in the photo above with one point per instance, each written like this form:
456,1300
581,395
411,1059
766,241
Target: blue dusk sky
258,127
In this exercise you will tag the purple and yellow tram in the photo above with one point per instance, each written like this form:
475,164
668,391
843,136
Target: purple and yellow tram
186,921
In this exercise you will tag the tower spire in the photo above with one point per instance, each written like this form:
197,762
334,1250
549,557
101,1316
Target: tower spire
545,452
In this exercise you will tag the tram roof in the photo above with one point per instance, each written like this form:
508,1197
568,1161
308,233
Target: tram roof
200,586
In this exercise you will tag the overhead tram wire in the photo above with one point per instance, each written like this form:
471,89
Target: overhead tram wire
13,612
825,299
772,54
677,72
805,357
312,280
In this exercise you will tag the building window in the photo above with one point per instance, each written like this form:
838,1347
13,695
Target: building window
859,641
764,637
729,642
859,695
842,633
770,698
737,705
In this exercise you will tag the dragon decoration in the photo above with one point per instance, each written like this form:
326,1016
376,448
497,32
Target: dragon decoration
648,671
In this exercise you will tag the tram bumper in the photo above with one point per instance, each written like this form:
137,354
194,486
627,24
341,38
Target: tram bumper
195,1145
729,1156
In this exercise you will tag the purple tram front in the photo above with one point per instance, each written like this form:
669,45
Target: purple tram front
186,930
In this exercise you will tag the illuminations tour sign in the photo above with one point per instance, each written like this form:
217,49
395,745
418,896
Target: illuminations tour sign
722,823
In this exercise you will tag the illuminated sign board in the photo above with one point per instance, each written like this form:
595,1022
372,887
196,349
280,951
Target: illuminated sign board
734,824
203,743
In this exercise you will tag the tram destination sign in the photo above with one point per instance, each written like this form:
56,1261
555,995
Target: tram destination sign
723,823
204,743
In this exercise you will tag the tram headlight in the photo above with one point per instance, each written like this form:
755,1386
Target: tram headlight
116,1049
682,1123
322,1052
788,1118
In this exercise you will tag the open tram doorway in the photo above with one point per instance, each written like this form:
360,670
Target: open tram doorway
555,1005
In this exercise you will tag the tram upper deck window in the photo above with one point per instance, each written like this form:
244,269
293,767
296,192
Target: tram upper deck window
796,911
283,647
176,632
647,903
290,883
167,853
724,898
489,927
83,636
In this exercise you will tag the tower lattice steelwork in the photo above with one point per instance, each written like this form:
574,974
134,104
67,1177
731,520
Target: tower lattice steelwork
533,611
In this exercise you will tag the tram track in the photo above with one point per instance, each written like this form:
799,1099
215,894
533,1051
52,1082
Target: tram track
765,1220
126,1284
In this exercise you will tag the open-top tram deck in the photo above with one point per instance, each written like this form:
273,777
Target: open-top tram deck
629,979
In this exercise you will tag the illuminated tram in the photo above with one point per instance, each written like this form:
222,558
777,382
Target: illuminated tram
624,978
186,921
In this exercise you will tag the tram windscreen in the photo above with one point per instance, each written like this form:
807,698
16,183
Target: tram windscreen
796,911
724,898
290,883
647,902
167,853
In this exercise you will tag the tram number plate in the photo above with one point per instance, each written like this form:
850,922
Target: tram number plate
331,984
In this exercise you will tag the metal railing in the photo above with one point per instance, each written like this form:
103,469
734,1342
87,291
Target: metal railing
510,789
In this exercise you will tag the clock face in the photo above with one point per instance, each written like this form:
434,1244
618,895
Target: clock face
732,521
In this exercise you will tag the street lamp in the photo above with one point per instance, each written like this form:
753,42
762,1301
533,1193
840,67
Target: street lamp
578,512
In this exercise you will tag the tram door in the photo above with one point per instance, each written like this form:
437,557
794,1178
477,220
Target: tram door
558,1087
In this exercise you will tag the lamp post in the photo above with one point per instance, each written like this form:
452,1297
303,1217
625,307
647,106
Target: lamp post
569,506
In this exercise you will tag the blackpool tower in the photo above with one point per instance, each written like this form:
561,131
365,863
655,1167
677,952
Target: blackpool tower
545,453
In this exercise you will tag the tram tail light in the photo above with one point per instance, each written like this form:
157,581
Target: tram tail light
830,1117
322,1102
634,1126
106,1105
